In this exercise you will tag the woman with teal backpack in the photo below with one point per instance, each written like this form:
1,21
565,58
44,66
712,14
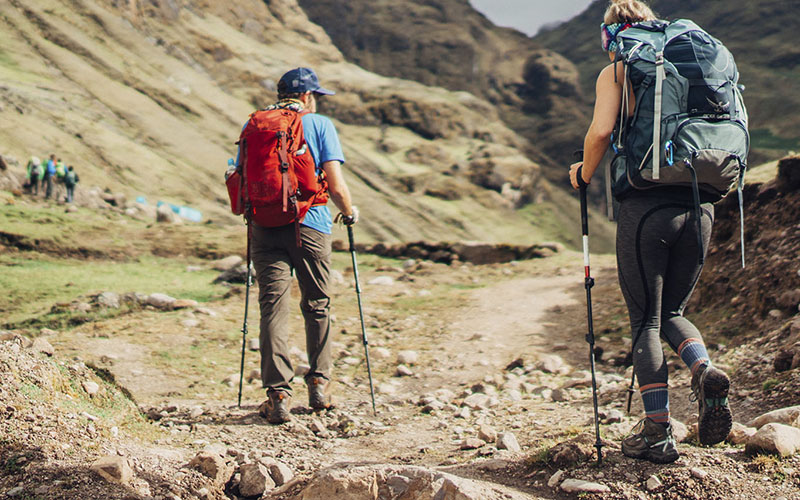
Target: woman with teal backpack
663,228
70,180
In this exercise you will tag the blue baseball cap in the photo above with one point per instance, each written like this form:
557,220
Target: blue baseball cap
301,80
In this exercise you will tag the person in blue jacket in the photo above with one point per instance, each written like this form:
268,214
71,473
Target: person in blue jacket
49,173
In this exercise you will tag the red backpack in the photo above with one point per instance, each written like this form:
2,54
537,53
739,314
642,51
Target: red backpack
276,181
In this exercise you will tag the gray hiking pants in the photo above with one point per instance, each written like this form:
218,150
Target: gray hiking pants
658,266
47,183
275,254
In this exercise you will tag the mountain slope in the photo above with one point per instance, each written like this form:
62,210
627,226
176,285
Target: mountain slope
545,85
148,98
449,43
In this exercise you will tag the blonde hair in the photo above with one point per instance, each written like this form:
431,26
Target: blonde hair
628,11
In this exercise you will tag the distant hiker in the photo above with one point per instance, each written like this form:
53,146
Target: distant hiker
70,180
311,153
33,174
61,170
665,213
49,173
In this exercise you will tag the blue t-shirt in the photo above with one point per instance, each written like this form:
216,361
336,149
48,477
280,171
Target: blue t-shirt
323,141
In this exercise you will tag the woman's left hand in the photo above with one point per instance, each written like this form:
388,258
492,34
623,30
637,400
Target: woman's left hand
573,174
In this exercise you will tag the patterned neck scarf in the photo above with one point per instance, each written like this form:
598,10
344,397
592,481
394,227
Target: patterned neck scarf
293,104
608,35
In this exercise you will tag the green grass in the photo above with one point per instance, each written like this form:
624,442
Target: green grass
39,281
763,138
770,384
51,223
442,298
540,457
559,220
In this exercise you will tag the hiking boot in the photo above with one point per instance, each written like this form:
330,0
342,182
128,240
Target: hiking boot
276,408
710,388
319,397
651,441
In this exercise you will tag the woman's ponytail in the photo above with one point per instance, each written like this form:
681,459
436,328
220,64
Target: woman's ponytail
628,11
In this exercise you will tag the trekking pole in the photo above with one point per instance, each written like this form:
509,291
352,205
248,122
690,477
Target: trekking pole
630,387
246,307
588,284
361,315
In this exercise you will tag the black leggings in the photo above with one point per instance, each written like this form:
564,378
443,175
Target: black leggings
659,264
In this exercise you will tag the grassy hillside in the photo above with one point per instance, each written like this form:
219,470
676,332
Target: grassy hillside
148,99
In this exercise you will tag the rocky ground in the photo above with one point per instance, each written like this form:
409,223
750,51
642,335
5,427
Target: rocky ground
479,364
481,391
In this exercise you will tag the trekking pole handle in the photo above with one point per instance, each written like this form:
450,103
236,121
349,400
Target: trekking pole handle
584,204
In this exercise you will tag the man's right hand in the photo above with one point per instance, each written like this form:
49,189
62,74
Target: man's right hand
351,219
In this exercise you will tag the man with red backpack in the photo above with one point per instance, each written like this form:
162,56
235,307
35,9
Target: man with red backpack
290,164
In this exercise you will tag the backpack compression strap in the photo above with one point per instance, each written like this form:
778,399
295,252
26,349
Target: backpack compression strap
283,154
660,76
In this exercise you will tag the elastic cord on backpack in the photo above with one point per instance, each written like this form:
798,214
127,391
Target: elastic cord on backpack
697,211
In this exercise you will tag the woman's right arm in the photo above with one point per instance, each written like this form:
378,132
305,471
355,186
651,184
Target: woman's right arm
606,110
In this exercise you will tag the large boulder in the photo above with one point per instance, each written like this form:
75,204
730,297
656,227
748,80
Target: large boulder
255,480
114,469
484,253
789,174
227,263
775,438
236,274
165,214
580,486
389,481
782,416
740,434
160,301
212,466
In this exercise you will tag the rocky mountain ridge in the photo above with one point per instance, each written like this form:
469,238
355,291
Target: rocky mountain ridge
545,85
765,53
450,44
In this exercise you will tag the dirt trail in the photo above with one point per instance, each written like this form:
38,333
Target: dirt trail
466,324
495,326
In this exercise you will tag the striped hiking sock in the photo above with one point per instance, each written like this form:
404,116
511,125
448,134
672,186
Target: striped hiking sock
655,398
693,352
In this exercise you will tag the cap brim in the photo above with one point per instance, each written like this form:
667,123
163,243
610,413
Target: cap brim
324,91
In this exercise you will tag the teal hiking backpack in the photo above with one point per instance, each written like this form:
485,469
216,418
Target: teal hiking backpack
70,178
689,126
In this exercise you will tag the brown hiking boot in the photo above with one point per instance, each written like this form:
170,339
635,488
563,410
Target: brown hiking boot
651,441
710,387
276,408
319,397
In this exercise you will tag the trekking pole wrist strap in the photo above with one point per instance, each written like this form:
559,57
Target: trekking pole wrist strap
579,177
